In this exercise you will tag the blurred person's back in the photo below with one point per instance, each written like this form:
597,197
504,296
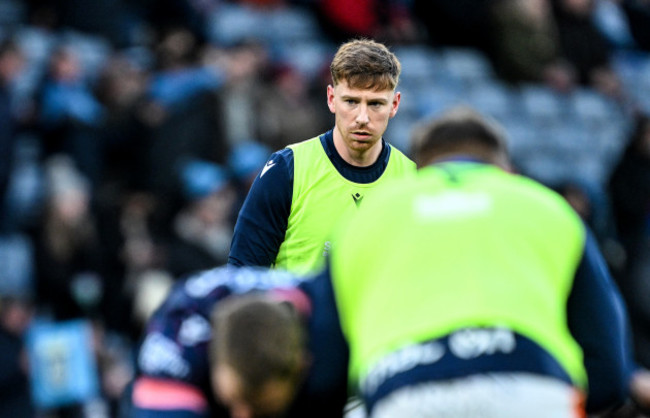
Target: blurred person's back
69,255
202,228
11,62
525,44
69,113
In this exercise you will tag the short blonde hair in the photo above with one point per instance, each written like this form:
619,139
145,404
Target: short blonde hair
365,64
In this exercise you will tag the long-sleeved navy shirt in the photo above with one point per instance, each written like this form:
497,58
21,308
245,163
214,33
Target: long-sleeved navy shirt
262,222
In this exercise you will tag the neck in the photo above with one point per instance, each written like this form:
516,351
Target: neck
357,158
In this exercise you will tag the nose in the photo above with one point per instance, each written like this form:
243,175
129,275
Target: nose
362,117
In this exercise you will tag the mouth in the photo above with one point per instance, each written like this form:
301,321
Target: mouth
361,135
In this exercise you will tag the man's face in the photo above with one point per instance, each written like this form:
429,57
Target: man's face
272,400
361,115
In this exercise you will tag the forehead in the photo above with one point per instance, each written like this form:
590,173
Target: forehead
342,89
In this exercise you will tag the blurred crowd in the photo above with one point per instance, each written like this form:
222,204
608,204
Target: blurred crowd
130,132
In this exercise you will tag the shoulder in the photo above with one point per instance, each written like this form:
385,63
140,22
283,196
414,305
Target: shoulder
279,163
285,154
276,173
306,149
541,194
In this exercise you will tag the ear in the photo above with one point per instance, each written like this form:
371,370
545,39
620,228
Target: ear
395,104
330,98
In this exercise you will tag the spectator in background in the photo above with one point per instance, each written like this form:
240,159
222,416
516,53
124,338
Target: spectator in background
182,110
629,188
68,253
202,229
15,392
455,23
245,161
69,115
161,15
638,16
585,47
389,21
246,64
525,44
288,110
121,89
11,63
142,255
611,22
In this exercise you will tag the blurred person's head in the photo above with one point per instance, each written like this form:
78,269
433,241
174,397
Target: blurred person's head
64,65
460,132
121,82
177,48
577,8
15,314
246,159
290,82
247,60
68,190
12,60
257,356
533,10
207,190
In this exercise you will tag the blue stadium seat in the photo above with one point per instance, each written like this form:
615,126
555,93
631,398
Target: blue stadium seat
308,56
420,65
593,108
522,139
571,136
543,105
231,23
493,98
466,64
290,24
436,97
547,166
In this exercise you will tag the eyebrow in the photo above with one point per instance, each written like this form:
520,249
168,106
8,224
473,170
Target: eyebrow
358,98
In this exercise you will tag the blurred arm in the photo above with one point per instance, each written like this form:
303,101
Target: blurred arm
598,321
